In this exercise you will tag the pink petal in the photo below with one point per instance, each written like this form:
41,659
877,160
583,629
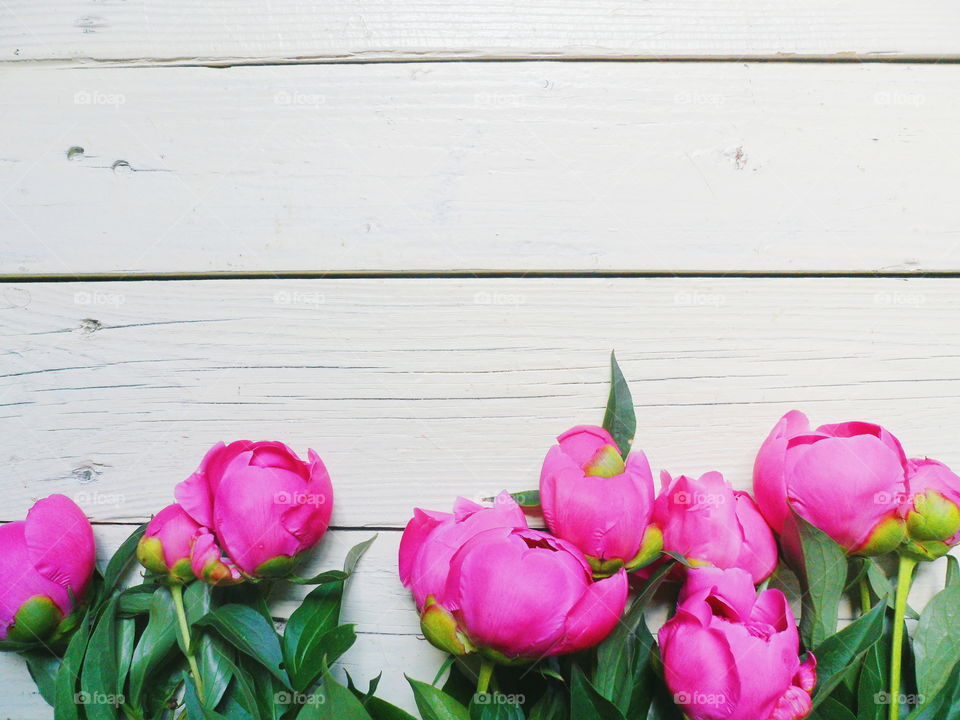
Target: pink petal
769,485
758,551
21,580
60,540
595,615
582,442
699,668
845,486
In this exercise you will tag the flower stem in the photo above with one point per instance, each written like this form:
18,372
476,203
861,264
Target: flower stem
865,603
486,672
904,577
177,592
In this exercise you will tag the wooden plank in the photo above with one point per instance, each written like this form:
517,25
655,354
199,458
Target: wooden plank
298,31
480,167
414,391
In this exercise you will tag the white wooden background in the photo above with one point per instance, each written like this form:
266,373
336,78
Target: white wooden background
318,222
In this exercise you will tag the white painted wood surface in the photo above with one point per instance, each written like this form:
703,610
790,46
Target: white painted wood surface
414,390
664,167
222,31
310,160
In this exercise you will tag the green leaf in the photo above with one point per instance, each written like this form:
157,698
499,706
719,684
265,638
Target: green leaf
871,683
553,705
121,558
434,704
195,709
136,600
324,578
248,631
382,710
318,614
355,553
623,657
883,588
246,693
945,705
953,570
99,681
839,652
822,580
210,649
832,709
586,703
43,666
333,702
495,706
65,707
620,420
156,641
936,642
126,634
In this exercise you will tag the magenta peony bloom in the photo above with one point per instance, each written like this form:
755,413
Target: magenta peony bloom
262,504
517,595
854,482
431,538
593,499
166,544
729,654
709,523
46,562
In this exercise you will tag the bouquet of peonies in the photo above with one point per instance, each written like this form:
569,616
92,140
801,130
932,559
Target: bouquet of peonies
539,624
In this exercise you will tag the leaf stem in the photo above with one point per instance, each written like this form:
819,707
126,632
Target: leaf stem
177,592
865,603
904,578
486,672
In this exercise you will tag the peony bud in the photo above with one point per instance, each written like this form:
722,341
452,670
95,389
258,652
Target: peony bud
729,653
46,561
263,505
166,543
598,502
709,523
518,595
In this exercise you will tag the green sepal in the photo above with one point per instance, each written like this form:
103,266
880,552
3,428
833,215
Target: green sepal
440,628
35,621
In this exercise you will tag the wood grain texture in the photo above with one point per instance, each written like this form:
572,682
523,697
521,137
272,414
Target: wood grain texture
480,167
414,391
227,31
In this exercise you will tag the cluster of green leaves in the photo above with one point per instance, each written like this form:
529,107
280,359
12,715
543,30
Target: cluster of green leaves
127,658
853,664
